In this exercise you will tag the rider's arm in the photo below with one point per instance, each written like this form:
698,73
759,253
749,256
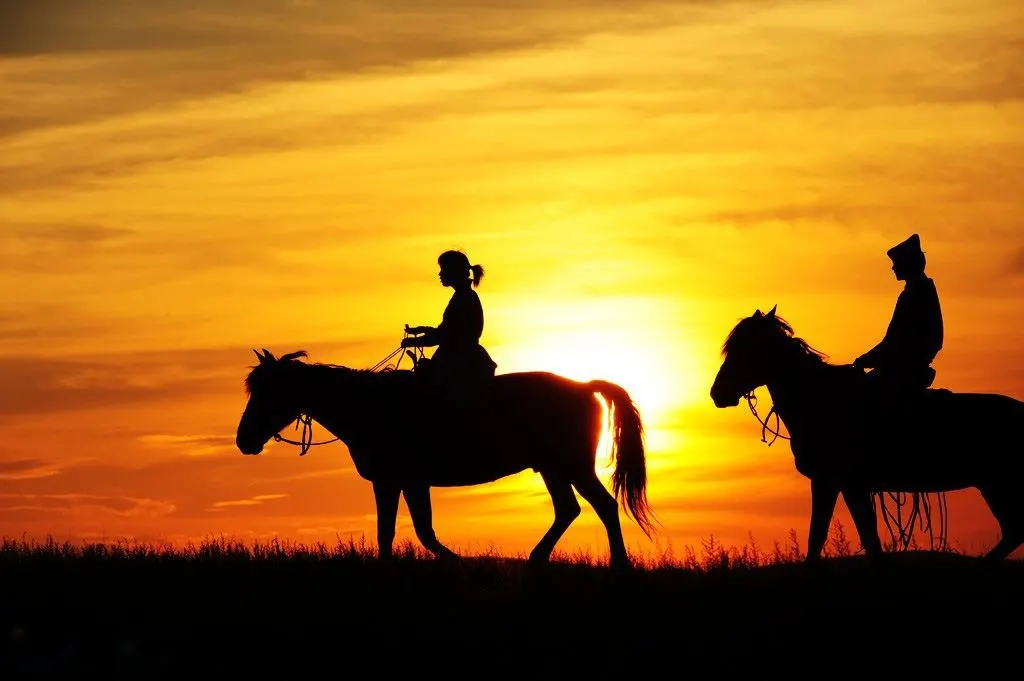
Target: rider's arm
870,359
889,347
427,340
431,336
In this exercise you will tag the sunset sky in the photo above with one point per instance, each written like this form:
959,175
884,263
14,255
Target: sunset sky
184,180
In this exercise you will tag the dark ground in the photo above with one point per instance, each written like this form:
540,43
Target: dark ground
145,614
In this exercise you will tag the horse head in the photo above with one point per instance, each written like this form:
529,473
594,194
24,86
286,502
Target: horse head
747,353
274,400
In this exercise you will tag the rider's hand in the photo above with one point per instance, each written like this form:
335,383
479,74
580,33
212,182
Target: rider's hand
406,342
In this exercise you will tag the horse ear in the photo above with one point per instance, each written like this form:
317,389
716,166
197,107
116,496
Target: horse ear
267,356
258,355
771,313
757,312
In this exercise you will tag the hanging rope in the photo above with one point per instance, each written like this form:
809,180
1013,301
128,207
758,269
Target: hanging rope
305,441
901,530
751,399
902,534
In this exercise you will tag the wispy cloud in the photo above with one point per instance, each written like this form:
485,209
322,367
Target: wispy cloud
251,501
155,52
25,469
191,445
36,386
1015,264
79,504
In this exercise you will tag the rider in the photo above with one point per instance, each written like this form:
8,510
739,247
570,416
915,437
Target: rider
459,361
901,362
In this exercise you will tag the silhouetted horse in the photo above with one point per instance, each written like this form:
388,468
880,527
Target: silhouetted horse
400,441
847,439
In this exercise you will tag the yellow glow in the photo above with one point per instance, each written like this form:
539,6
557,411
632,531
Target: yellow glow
633,187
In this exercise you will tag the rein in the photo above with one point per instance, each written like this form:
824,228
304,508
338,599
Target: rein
305,440
751,399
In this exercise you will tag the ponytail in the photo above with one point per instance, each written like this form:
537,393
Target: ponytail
478,273
457,261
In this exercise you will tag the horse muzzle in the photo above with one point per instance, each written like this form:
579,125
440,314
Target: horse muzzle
249,448
722,401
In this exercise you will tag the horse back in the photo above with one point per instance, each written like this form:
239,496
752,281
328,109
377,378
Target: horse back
944,418
994,402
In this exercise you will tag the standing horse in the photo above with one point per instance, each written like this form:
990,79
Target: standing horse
402,439
938,441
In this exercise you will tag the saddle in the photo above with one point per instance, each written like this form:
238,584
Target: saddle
891,402
459,398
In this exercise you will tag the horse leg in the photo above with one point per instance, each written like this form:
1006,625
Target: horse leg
823,504
862,510
567,509
417,498
1010,516
591,489
386,496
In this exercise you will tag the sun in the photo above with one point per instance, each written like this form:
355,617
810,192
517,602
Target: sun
622,357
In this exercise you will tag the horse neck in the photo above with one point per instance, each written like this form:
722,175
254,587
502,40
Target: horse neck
789,383
325,395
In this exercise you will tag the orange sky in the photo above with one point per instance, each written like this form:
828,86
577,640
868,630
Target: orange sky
183,181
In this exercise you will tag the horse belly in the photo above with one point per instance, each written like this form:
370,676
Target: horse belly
940,455
507,446
531,423
475,473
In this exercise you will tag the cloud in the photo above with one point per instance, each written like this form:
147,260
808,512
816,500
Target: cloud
70,236
401,28
150,53
238,487
191,445
742,500
80,503
40,385
326,473
34,385
251,501
31,248
1015,264
24,469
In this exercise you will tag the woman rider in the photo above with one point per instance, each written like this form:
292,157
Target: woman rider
459,362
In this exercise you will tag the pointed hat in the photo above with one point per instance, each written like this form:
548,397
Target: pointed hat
912,246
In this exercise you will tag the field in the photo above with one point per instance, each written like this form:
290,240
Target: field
221,608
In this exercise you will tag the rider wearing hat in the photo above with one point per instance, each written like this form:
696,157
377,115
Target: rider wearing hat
902,360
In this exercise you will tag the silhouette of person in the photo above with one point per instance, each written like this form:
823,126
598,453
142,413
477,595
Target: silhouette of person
460,366
901,362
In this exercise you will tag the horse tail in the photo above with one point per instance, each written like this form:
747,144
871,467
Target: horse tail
630,476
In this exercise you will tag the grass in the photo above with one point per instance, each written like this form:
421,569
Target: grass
125,610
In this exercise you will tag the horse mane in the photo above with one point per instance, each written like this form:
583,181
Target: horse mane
775,326
292,359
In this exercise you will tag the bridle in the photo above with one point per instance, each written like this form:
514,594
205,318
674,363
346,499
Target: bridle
305,440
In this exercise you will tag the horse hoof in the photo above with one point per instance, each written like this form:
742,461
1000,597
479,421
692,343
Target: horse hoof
538,561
